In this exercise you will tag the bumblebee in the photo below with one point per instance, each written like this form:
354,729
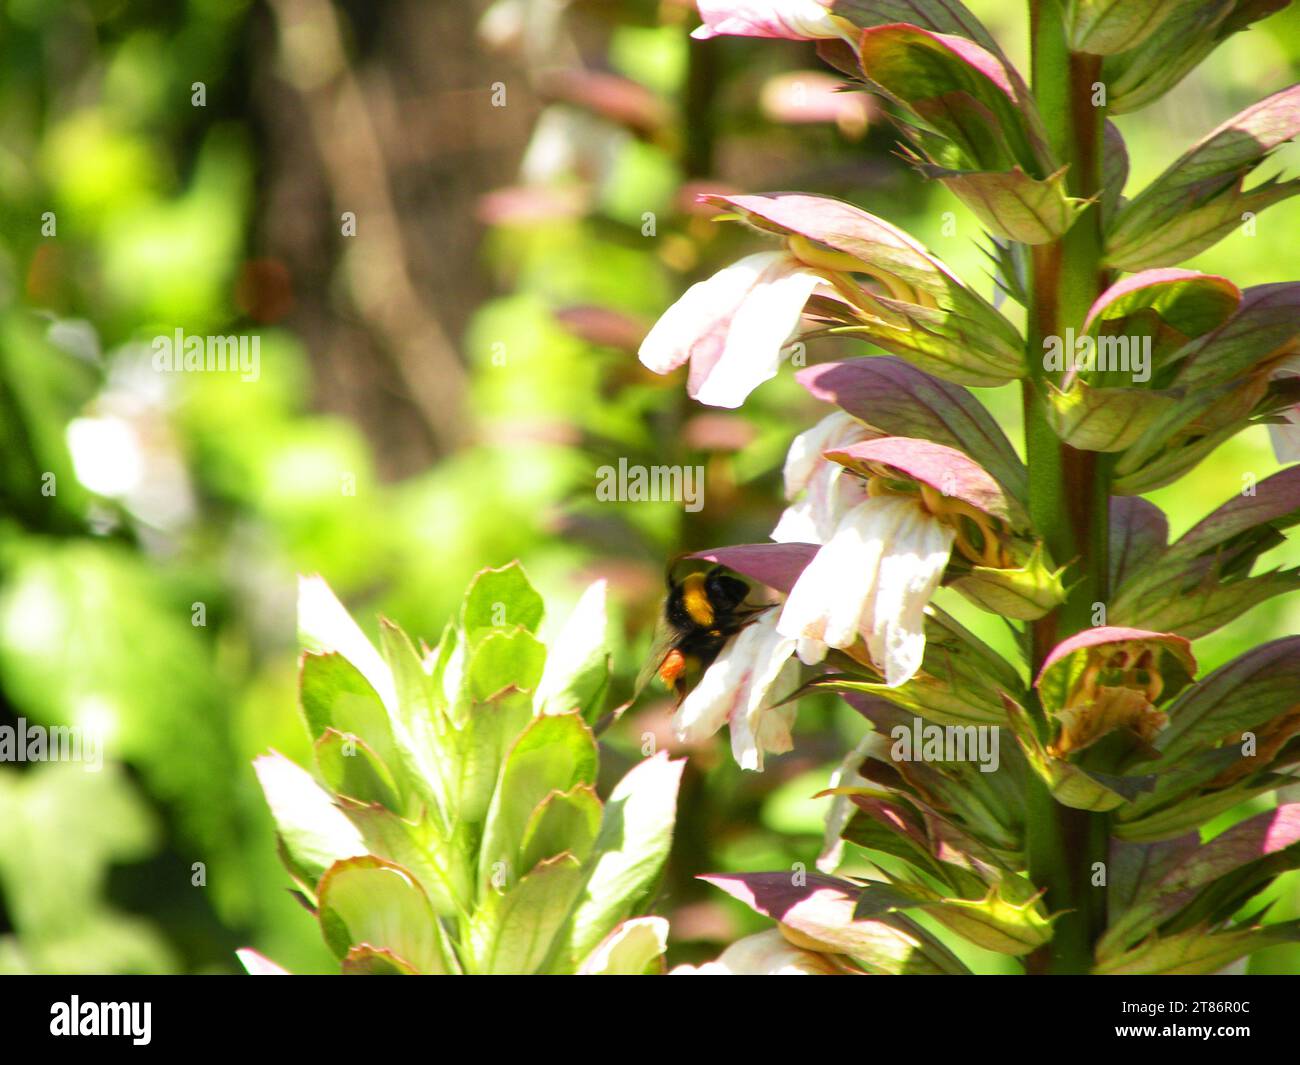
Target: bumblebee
702,612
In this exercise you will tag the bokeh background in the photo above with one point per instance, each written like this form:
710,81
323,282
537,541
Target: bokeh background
437,391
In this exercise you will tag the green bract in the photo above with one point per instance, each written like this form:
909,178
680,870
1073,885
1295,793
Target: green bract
454,825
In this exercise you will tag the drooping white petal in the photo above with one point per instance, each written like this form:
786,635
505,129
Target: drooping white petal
772,728
873,578
701,316
797,525
324,625
828,490
811,651
711,701
766,318
805,454
837,588
909,573
757,726
752,671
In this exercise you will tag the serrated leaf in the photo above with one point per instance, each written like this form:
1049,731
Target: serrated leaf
325,626
512,932
1104,27
501,598
371,961
554,753
350,768
1023,593
481,744
634,948
312,831
635,837
419,726
577,661
1195,951
1007,920
1200,197
502,660
379,904
334,694
417,847
564,821
1010,204
1103,419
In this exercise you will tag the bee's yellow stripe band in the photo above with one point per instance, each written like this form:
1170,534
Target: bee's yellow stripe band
696,599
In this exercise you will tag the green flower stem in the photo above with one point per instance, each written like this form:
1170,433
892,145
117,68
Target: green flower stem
1068,489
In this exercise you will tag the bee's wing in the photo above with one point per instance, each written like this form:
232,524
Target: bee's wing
660,645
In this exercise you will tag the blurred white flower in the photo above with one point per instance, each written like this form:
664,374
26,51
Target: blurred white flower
873,578
107,455
821,491
764,954
569,143
732,327
754,670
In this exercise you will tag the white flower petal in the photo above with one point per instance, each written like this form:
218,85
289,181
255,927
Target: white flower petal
764,321
909,573
805,454
837,588
774,727
829,490
810,651
872,578
756,725
711,701
702,314
753,669
797,525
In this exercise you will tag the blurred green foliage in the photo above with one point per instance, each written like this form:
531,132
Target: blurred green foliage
147,579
